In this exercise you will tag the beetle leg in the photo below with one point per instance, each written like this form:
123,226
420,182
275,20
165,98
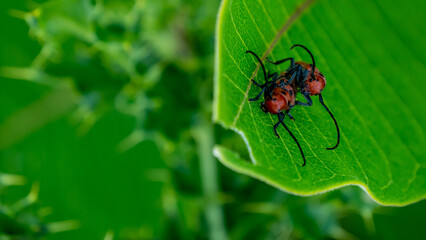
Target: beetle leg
279,115
258,95
289,115
298,145
282,61
273,76
257,84
308,99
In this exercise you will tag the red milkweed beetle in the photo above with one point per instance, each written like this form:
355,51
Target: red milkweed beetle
309,83
280,93
279,97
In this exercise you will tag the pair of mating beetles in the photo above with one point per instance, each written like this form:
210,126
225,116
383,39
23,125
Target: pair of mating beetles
280,93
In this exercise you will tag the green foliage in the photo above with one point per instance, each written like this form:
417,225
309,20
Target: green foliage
372,55
23,218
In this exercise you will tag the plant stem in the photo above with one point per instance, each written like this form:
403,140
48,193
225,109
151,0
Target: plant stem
203,134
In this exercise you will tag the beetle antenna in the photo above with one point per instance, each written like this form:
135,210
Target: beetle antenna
335,123
261,64
312,56
294,138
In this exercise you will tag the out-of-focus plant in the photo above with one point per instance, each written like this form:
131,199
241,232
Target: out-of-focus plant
102,50
147,60
24,218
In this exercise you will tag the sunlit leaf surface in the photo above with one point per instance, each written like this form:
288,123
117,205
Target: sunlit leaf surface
372,54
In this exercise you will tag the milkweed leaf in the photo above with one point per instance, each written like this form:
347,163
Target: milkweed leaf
373,56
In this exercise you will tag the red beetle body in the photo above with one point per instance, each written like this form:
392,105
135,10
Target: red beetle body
310,85
281,99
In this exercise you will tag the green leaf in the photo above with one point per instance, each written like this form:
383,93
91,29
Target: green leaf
372,54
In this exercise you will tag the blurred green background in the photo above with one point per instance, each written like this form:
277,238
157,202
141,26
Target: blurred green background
105,107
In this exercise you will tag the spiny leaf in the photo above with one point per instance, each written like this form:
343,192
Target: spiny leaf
372,54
